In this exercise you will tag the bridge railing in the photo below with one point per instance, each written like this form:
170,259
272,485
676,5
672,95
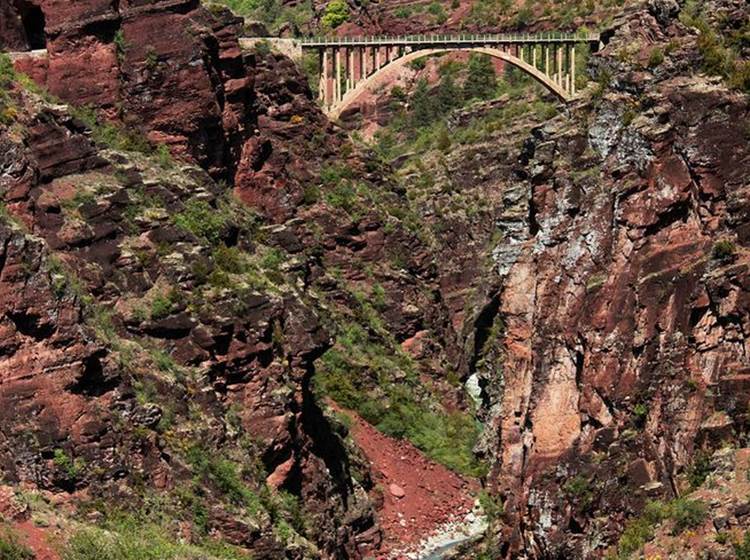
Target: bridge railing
470,38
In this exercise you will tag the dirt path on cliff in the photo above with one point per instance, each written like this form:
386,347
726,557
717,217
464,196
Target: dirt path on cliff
419,496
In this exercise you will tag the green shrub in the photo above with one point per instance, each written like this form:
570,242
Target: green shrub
164,304
438,12
223,474
343,196
63,461
579,490
120,44
655,58
336,13
742,548
7,78
202,220
524,16
687,514
272,259
699,469
723,250
112,135
229,259
492,506
273,13
343,373
403,12
640,413
11,548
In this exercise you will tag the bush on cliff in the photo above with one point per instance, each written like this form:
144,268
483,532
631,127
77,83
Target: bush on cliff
684,513
336,13
7,77
273,13
722,55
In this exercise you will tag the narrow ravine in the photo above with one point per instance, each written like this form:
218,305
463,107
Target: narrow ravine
425,509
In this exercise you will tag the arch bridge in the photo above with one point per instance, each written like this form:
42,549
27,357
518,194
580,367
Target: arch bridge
349,66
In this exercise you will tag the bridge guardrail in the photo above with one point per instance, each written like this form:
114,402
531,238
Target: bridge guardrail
473,38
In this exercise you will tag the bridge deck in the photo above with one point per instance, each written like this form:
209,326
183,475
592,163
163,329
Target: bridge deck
449,39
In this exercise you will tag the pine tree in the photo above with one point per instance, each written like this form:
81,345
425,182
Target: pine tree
481,82
449,95
423,104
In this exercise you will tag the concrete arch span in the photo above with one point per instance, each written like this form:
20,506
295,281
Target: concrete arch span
383,75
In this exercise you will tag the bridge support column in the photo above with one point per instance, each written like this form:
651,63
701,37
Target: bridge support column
546,60
559,66
349,68
323,85
573,70
377,59
533,55
359,75
337,84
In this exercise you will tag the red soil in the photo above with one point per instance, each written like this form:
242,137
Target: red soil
37,539
432,494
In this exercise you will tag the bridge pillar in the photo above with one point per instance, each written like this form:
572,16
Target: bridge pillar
546,60
349,68
559,66
359,73
323,82
377,59
337,84
573,70
533,55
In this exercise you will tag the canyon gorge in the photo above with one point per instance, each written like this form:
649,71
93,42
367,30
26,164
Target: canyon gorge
467,319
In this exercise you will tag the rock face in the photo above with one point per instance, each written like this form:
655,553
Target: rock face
98,342
608,342
169,68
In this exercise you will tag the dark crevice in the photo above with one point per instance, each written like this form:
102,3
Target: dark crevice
696,314
579,366
604,38
34,24
104,30
678,213
533,224
31,325
482,329
574,526
93,382
324,443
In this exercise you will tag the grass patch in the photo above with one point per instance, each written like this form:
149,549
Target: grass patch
362,373
682,512
202,220
139,537
225,476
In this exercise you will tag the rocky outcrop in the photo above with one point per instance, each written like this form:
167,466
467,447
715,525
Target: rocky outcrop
131,304
617,297
169,68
